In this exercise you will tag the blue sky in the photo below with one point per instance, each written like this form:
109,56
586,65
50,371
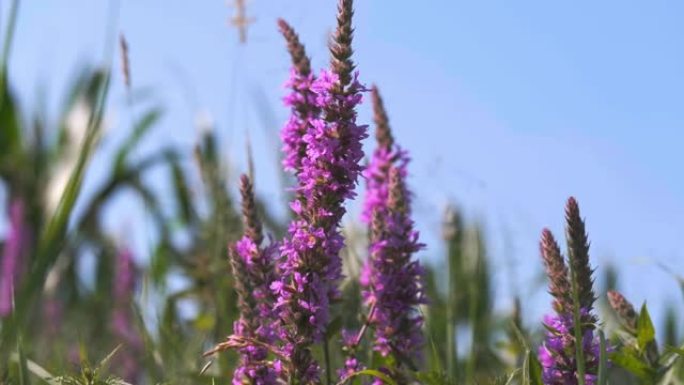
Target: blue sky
507,107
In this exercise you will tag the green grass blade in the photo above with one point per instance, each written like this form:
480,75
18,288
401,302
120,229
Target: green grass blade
369,372
7,46
603,360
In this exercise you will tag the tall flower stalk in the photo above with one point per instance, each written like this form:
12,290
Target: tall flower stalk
392,278
573,323
253,270
12,262
327,166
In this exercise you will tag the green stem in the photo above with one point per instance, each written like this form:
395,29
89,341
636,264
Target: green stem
450,324
579,348
474,323
7,47
328,366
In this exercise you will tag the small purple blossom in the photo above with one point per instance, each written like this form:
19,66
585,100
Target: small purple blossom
12,262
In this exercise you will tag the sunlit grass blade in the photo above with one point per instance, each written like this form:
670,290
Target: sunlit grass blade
603,360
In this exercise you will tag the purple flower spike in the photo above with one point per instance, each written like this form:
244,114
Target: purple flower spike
12,263
393,279
253,269
253,272
571,289
301,100
324,151
312,266
122,316
386,155
377,175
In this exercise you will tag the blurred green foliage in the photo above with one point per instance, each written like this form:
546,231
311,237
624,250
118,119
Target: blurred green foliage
59,323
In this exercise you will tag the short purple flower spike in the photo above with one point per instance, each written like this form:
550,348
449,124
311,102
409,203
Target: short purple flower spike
253,273
571,289
254,265
122,316
12,261
392,278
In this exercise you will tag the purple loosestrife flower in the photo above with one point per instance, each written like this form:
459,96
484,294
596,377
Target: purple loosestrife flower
386,155
557,354
571,289
393,279
327,175
301,100
122,316
12,263
253,271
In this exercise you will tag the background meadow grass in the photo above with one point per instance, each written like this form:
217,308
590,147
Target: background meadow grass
103,167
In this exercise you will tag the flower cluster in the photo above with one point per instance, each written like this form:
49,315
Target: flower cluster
387,154
301,100
329,171
393,279
573,302
325,153
256,314
12,264
557,354
253,272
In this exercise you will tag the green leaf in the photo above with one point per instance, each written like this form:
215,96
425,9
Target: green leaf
645,329
535,371
531,371
334,327
674,350
140,128
525,374
182,193
23,367
632,364
373,373
10,133
603,360
37,370
435,377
